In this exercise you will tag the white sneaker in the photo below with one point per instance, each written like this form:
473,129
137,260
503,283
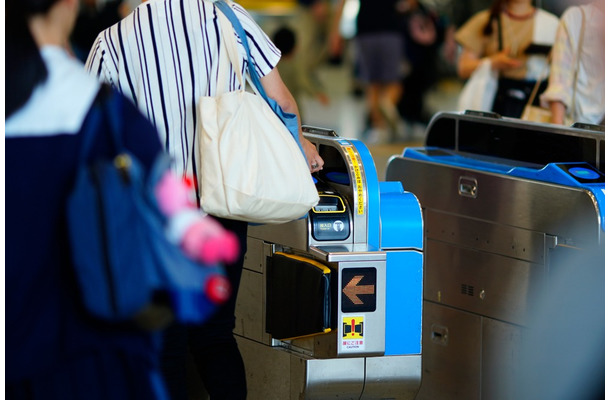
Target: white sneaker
376,136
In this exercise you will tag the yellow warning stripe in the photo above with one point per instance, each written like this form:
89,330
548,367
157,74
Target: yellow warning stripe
317,264
326,330
359,182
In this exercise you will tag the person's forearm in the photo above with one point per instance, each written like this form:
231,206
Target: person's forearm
558,111
334,36
337,14
276,89
466,66
500,61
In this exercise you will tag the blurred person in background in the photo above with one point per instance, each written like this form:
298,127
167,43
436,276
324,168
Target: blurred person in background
310,24
424,34
55,350
458,12
94,17
516,37
562,352
577,80
380,60
295,74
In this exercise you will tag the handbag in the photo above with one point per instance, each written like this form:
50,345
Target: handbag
125,266
252,167
480,90
537,113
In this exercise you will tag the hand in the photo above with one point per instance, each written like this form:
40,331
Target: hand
558,111
323,99
501,61
335,44
314,160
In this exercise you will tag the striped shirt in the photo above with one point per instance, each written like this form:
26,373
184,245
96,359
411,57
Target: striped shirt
164,56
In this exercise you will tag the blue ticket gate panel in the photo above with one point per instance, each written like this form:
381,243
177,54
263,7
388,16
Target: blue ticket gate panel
505,202
330,305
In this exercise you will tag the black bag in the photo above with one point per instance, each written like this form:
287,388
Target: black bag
512,96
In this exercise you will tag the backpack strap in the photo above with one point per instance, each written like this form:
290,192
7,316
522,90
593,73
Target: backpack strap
106,104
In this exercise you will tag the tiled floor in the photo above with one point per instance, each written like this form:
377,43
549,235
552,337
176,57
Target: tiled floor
346,113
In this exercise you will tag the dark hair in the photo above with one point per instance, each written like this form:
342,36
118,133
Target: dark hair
24,65
494,12
284,39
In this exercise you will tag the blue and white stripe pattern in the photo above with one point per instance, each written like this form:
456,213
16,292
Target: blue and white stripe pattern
164,56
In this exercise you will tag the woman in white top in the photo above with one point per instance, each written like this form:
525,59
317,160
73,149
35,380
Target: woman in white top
513,35
583,100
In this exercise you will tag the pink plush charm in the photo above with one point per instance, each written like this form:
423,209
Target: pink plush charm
208,241
201,237
173,195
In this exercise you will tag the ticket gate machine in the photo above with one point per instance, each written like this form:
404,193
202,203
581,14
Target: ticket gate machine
330,305
505,202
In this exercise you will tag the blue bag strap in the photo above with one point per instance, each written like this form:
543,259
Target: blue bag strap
228,12
95,118
106,104
290,120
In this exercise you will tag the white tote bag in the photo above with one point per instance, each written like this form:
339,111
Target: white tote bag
251,167
480,90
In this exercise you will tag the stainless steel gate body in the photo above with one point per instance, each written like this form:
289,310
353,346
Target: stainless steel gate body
496,230
373,350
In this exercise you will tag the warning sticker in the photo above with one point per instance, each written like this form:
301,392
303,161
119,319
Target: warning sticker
353,333
358,182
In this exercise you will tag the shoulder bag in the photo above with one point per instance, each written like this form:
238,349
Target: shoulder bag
252,167
541,114
537,113
480,90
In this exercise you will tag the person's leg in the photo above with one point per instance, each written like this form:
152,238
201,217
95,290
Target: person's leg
393,92
222,371
368,65
213,346
390,95
389,75
173,361
373,98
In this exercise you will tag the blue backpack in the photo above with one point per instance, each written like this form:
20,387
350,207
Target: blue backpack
125,266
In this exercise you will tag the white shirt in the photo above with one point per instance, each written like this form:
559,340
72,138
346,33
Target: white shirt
585,100
60,103
164,56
